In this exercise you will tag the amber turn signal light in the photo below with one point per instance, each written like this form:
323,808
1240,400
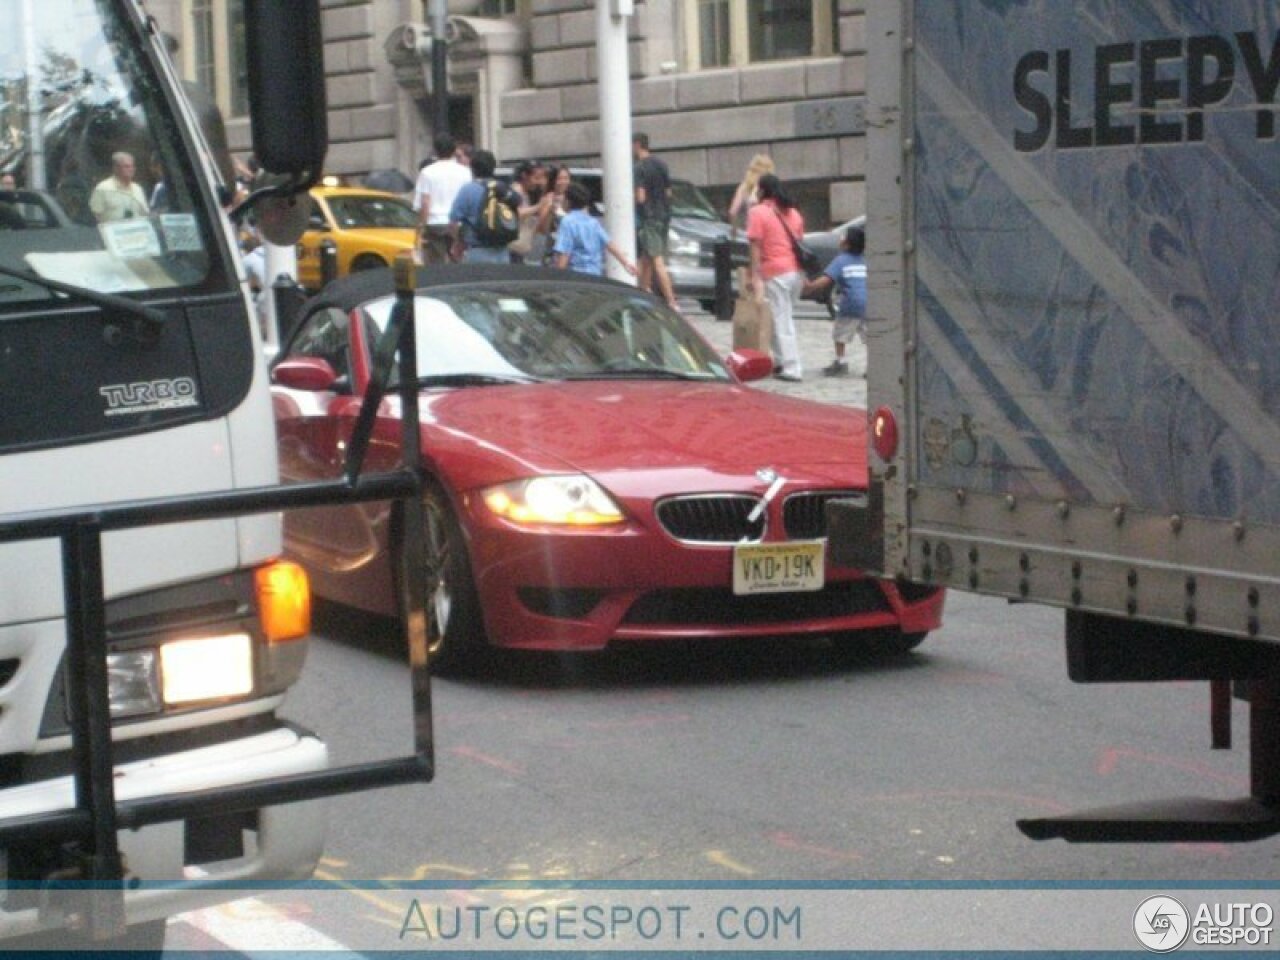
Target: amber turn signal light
284,601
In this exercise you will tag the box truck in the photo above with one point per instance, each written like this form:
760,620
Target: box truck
1073,235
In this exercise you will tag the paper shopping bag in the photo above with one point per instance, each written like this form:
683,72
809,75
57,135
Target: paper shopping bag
752,324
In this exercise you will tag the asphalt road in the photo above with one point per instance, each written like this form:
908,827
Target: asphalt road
751,762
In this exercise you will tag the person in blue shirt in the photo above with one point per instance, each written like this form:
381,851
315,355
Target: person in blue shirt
581,242
848,274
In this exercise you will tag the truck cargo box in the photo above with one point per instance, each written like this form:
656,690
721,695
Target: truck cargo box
1074,302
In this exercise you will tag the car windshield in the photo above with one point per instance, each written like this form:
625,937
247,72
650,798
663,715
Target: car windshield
688,201
100,194
363,212
545,331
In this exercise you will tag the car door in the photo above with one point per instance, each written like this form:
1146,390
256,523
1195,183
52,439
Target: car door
313,428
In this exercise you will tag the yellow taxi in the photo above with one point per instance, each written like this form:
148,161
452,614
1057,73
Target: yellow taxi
369,228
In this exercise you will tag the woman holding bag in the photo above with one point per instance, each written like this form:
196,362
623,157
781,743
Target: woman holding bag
773,225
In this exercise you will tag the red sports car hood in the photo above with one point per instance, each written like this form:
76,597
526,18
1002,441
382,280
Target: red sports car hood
615,428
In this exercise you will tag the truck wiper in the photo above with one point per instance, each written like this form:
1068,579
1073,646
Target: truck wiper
147,321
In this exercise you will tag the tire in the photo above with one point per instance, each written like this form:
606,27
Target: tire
453,605
898,643
366,261
141,940
878,643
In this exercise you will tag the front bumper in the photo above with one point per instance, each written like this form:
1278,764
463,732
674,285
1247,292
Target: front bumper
164,875
581,589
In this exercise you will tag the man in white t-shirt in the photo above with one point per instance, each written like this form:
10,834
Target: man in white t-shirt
438,184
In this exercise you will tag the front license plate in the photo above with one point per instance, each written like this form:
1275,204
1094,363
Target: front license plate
779,567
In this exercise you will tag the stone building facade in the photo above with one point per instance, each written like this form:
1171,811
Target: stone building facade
712,82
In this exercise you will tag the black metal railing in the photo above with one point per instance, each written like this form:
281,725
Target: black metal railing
94,820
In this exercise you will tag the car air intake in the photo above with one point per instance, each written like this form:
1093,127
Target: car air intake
804,515
720,607
711,518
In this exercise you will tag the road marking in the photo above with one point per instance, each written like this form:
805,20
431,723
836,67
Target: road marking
387,906
722,859
470,753
788,841
254,927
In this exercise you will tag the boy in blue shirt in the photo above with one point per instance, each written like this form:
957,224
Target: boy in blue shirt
581,242
848,274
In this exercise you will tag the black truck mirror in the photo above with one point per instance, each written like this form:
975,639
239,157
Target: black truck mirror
289,118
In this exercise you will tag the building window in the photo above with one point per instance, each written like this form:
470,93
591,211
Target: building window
733,33
215,56
502,8
714,48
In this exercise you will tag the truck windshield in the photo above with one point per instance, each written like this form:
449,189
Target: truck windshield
95,189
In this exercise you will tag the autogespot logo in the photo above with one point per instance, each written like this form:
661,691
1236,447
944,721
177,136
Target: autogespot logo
1161,924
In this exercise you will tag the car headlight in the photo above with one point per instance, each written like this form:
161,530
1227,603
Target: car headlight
569,500
678,245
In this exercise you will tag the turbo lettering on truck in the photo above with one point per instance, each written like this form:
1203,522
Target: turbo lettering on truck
1156,79
148,396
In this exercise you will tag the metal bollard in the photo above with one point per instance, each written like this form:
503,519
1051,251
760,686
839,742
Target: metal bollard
328,262
287,297
723,260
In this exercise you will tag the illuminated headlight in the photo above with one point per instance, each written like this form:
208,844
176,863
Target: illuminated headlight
132,685
206,668
572,500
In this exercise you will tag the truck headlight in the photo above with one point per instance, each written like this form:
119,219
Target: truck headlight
206,668
133,686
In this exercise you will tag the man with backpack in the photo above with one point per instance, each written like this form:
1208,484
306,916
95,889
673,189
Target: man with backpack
483,217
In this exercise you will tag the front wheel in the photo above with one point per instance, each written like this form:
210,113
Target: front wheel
457,628
139,941
881,643
367,261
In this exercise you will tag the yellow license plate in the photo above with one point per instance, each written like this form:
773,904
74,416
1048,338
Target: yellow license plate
779,567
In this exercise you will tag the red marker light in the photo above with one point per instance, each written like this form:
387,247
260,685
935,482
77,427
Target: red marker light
884,434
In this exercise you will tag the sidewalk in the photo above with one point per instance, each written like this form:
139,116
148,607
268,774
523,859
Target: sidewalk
814,331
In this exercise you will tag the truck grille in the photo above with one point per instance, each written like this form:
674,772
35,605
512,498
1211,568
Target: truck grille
804,515
711,518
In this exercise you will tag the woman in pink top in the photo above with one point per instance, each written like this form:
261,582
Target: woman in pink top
775,273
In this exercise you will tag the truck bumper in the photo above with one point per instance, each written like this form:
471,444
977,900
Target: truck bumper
278,843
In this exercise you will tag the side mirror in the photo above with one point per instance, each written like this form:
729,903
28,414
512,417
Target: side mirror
305,373
281,219
284,49
748,365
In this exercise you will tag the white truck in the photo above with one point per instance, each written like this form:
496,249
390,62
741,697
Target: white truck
149,630
1073,237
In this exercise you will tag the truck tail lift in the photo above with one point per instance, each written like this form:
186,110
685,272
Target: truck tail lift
91,825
